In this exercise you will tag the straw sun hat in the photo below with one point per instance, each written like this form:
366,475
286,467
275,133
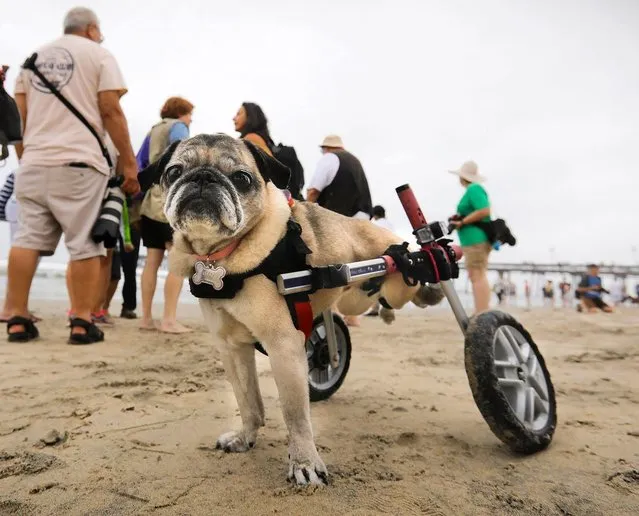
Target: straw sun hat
333,141
470,172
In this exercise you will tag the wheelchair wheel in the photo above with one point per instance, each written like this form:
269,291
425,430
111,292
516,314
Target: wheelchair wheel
510,382
323,380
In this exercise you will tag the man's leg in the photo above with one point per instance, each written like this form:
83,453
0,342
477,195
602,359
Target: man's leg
69,288
105,278
85,283
75,198
22,266
129,270
37,232
114,277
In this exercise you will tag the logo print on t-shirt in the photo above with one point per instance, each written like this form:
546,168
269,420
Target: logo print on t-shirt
56,64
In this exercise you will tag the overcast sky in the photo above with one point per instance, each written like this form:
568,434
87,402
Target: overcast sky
543,94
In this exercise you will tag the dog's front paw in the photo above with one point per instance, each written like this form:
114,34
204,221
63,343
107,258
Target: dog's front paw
308,472
234,442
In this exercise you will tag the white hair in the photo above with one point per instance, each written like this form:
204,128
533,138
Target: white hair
79,18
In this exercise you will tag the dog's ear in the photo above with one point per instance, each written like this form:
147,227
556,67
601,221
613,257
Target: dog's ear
270,168
151,175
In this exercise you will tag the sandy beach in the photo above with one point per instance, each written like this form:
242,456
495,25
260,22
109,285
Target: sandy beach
129,426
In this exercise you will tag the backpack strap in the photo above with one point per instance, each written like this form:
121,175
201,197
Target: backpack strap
29,64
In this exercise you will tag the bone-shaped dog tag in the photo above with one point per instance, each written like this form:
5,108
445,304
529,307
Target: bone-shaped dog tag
209,274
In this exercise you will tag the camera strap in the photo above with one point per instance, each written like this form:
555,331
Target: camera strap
29,64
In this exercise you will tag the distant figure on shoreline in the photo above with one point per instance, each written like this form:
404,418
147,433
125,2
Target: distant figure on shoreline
564,289
590,291
548,291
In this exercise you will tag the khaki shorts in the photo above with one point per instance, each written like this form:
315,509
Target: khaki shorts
57,200
477,255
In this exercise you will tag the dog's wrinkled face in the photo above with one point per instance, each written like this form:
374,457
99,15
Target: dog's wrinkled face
215,188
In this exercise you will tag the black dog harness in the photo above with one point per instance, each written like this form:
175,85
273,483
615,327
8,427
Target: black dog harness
289,255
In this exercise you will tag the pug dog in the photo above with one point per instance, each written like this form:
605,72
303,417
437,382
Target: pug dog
223,199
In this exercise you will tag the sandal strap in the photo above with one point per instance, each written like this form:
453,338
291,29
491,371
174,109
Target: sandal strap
92,331
19,321
76,321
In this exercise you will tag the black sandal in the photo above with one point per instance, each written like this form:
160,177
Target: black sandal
30,331
93,333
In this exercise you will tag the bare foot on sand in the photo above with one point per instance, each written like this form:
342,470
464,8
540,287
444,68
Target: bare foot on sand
173,327
149,325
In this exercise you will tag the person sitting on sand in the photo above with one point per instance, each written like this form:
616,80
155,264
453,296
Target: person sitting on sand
590,289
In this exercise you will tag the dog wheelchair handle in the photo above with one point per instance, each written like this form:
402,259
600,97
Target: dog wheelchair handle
426,235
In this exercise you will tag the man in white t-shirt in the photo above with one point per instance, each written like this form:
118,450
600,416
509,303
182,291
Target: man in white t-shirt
63,175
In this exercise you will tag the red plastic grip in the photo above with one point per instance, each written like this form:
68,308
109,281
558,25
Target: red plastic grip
411,206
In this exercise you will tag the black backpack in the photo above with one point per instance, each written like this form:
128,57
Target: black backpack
287,156
10,124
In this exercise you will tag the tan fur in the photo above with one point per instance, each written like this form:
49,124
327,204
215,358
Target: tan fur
258,313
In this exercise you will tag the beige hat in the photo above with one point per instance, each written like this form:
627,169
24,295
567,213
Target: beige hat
334,141
470,172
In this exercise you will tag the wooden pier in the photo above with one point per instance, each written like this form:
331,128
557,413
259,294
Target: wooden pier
573,269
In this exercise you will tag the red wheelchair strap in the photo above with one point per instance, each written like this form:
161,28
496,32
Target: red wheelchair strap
304,316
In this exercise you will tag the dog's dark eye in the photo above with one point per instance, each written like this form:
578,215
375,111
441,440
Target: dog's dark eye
173,173
241,180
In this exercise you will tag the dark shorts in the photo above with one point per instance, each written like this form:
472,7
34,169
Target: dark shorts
155,235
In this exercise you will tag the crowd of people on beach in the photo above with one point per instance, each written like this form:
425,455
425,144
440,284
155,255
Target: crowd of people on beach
60,185
59,189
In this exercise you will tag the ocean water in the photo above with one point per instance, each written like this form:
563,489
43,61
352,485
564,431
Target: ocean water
49,284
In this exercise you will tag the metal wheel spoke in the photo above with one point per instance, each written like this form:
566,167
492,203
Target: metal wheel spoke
509,343
505,364
529,407
511,383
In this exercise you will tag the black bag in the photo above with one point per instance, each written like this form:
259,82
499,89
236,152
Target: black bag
497,231
10,123
287,156
107,227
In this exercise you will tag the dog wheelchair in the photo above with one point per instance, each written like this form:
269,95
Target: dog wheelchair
506,372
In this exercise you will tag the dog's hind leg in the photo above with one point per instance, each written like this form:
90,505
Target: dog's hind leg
428,295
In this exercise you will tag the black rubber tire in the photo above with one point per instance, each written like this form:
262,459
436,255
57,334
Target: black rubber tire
489,397
316,394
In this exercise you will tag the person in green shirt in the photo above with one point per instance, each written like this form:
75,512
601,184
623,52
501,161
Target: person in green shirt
473,207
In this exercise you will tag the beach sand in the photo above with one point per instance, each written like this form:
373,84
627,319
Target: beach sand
138,416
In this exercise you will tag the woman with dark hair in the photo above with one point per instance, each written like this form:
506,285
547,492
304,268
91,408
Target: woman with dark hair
250,121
